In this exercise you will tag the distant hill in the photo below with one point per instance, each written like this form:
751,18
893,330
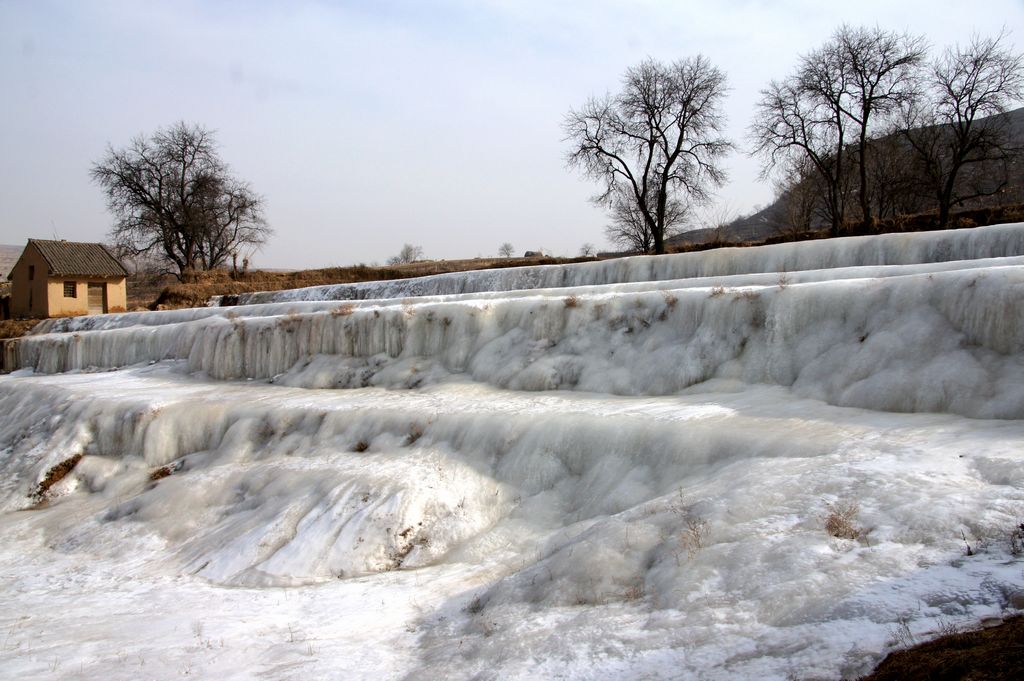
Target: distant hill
769,222
8,256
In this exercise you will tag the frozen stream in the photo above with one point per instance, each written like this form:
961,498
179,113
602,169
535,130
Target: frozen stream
617,480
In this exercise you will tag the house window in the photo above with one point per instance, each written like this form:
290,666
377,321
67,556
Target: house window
69,289
31,272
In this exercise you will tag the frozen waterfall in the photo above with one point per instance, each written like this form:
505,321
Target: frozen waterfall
430,478
920,336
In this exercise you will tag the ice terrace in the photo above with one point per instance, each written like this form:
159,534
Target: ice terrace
603,470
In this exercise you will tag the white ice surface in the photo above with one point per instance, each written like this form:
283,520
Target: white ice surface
943,341
506,485
888,249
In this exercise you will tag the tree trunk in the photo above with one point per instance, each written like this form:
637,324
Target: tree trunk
865,205
658,237
946,201
658,228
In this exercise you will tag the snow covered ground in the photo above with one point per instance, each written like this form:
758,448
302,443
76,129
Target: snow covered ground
630,476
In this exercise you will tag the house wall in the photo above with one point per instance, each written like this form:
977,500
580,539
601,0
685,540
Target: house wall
29,298
60,306
117,295
47,293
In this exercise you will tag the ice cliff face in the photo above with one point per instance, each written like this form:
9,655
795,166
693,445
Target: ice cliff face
942,331
888,249
640,454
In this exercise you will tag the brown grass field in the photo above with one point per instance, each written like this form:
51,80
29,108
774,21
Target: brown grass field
992,654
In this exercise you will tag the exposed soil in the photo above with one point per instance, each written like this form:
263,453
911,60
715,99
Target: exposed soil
161,473
993,654
55,475
14,328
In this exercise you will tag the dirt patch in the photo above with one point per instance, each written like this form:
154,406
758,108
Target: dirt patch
994,654
161,473
55,475
15,328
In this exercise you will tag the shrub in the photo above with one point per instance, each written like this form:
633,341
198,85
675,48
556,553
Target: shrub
841,520
695,535
1017,540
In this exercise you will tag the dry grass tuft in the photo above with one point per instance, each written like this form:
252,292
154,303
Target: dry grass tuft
694,536
841,520
1017,540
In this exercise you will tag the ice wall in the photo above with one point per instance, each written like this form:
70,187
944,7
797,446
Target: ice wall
888,249
127,319
943,341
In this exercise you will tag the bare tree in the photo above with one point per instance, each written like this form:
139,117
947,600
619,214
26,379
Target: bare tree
799,119
587,250
880,67
955,126
798,196
174,198
893,176
630,229
506,250
659,138
836,94
408,254
717,218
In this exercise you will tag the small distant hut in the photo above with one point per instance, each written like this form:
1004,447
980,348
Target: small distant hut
66,278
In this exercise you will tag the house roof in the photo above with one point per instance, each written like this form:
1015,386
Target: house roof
73,258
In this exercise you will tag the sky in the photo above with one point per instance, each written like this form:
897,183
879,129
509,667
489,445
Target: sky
367,125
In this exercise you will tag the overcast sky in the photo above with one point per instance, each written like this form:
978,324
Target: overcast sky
369,124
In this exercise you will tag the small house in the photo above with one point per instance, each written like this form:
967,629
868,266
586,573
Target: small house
66,278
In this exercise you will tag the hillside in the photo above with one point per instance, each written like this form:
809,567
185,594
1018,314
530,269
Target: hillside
8,257
771,222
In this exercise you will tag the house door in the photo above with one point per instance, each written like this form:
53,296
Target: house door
97,298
